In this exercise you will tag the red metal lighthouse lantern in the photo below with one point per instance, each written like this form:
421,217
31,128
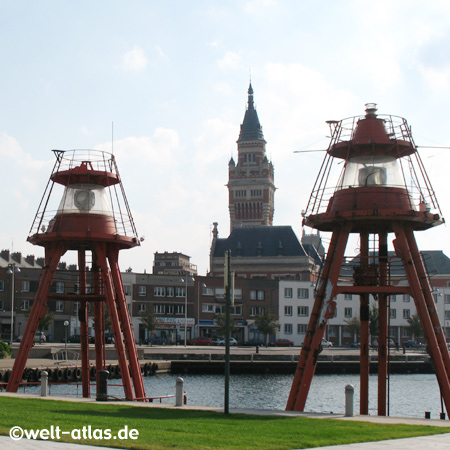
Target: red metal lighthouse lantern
93,218
382,188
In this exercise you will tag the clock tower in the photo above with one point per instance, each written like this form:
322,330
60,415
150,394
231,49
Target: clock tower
250,185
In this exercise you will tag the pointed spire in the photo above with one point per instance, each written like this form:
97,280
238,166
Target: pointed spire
251,128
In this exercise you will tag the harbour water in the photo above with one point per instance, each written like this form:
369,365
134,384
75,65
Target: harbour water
409,395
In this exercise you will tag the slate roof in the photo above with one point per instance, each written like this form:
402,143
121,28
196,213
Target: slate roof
260,240
250,128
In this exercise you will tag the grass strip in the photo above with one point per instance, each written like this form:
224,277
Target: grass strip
161,428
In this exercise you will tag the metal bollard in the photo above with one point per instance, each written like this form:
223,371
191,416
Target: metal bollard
102,392
179,392
349,395
44,383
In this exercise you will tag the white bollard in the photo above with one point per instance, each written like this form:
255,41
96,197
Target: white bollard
44,383
349,394
179,392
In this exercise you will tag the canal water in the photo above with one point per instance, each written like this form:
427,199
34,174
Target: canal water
410,395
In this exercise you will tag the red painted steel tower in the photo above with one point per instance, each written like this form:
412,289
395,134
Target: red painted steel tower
382,188
94,219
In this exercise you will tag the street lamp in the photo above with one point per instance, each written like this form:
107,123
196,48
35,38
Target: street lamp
185,279
200,285
12,270
66,326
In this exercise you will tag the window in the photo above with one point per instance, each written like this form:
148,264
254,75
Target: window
240,194
238,294
2,305
159,309
208,307
406,313
347,296
447,315
447,299
76,307
179,309
393,298
159,291
288,328
208,291
260,295
180,292
256,192
257,311
406,298
303,311
236,310
253,294
220,293
170,291
301,328
24,305
127,289
288,310
142,307
302,293
288,292
142,291
25,286
170,309
60,287
59,306
348,312
393,313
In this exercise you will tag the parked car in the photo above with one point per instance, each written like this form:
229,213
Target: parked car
222,341
38,337
201,340
326,344
281,343
75,338
412,344
254,343
156,341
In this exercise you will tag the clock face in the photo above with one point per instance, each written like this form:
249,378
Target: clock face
84,199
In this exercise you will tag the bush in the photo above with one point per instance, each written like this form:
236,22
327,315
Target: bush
5,349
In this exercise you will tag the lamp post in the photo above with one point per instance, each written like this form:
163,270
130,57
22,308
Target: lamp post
185,279
12,270
200,285
66,326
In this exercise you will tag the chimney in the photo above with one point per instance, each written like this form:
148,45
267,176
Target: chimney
17,256
30,260
40,262
5,255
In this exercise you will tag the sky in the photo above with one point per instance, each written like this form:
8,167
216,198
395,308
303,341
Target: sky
163,84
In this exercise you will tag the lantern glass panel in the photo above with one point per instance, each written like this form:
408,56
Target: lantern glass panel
85,198
372,170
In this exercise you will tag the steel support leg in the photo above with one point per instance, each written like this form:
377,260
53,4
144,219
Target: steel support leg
364,338
318,320
115,323
84,326
410,260
38,311
383,329
124,316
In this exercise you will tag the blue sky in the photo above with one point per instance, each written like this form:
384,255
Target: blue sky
173,76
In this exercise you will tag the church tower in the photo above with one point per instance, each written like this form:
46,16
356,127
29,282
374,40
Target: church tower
250,185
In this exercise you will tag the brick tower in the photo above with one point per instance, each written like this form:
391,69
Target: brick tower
250,182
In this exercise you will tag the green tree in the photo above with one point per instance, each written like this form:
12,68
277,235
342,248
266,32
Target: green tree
150,323
44,322
373,319
354,328
414,326
220,322
266,324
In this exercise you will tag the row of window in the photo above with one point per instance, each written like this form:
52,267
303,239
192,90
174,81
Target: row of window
163,291
301,292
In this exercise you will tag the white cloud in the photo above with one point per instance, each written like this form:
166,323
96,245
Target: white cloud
134,60
230,61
